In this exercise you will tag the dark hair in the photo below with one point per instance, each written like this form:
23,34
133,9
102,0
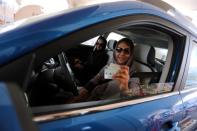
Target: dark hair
103,39
127,41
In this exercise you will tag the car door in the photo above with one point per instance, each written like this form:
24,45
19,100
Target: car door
133,115
189,92
14,114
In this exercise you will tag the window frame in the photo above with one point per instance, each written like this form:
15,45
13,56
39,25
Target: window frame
42,54
193,42
92,106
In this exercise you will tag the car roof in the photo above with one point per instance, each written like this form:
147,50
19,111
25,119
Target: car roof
28,34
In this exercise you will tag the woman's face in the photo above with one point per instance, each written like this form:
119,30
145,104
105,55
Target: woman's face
122,53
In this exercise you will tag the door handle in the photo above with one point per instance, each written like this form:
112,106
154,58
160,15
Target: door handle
175,127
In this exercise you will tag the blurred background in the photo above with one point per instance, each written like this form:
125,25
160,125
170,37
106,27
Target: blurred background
13,10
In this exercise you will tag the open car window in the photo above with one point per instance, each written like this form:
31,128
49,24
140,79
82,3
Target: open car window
61,78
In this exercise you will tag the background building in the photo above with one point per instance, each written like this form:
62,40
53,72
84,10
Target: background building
13,10
7,10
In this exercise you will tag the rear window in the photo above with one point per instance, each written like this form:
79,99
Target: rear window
90,42
114,36
192,73
161,53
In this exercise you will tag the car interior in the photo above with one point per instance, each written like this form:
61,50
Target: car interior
60,77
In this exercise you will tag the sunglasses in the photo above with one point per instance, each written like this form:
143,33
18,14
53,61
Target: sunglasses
124,50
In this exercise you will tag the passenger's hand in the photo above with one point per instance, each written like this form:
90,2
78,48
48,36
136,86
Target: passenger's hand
122,76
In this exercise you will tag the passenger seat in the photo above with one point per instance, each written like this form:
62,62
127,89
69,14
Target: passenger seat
111,45
144,62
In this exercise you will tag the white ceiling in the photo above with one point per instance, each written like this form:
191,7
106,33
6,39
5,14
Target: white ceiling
186,7
184,4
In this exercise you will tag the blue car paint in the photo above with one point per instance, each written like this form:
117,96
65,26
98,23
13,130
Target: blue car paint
190,102
135,117
41,32
8,117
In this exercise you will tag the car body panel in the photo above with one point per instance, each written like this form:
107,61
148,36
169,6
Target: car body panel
189,96
7,111
134,117
190,106
13,110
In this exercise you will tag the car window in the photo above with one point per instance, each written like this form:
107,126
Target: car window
90,42
151,63
65,75
192,73
161,53
114,36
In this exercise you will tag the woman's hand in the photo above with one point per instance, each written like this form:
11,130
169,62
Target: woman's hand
123,77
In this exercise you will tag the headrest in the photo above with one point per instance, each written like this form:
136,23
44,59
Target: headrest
145,54
111,44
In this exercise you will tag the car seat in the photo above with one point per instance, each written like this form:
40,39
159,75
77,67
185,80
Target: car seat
144,62
111,44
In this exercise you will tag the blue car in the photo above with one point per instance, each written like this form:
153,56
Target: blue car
45,63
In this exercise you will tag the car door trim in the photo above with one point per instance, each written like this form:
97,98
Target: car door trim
81,112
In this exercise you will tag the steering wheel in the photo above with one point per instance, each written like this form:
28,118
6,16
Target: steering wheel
67,75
